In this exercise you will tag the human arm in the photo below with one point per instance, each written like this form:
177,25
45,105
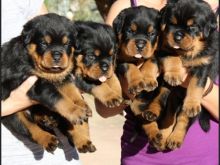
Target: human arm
18,100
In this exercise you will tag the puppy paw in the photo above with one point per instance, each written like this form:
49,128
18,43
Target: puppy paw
150,84
78,114
173,78
149,116
136,87
48,122
174,141
191,107
112,100
86,147
157,141
49,142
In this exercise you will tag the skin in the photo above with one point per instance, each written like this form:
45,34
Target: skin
210,101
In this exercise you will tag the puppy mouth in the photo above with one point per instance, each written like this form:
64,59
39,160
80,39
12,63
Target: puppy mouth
53,69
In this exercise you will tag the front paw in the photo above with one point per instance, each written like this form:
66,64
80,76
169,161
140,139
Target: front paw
149,116
112,100
150,84
49,142
136,86
175,140
85,146
191,107
77,115
157,141
173,78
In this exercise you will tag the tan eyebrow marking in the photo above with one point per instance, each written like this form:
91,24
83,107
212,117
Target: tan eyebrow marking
190,22
133,27
150,28
174,20
65,39
111,52
48,39
97,52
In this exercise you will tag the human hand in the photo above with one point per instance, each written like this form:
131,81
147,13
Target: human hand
18,100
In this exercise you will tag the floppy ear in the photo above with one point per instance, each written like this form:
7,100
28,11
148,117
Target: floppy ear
27,33
119,22
210,26
163,18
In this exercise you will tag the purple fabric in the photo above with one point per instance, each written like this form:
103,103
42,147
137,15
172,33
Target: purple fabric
133,3
199,148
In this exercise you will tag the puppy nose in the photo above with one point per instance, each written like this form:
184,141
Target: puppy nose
56,55
104,66
178,36
140,44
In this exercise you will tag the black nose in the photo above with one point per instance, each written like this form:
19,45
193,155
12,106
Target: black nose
140,44
104,66
178,36
56,55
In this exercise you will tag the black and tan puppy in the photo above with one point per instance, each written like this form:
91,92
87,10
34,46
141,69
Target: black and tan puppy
137,33
137,30
95,57
189,40
44,49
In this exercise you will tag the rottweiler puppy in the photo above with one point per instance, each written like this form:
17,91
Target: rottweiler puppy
189,40
45,49
95,56
137,31
137,34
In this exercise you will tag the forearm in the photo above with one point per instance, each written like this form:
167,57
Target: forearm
211,102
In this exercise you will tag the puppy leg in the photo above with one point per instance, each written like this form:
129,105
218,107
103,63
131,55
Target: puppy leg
153,133
80,137
150,73
134,78
70,91
176,138
114,84
45,139
192,101
157,105
173,70
106,95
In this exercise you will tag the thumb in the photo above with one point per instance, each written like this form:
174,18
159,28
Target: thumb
28,83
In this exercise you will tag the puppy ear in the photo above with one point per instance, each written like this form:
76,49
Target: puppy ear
119,22
27,33
210,26
163,18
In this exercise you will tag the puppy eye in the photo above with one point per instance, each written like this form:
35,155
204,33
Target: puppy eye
193,29
91,57
129,31
43,44
67,43
151,34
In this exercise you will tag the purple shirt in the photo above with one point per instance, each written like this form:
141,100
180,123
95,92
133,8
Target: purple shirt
198,148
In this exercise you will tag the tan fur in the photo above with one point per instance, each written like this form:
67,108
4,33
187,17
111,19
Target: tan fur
48,39
41,72
192,101
40,136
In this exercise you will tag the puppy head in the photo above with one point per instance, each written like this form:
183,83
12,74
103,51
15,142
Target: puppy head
49,39
95,53
186,25
137,31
